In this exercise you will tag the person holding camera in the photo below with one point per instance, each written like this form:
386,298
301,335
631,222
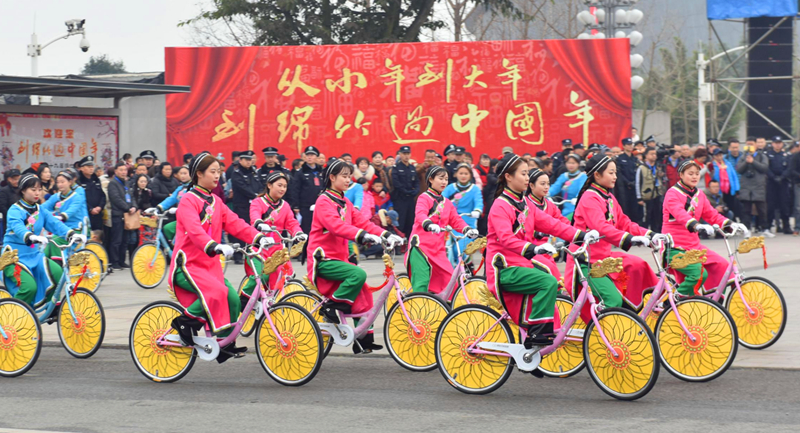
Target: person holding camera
752,170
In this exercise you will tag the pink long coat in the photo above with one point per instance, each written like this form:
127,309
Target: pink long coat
432,208
539,237
336,221
201,217
599,210
683,209
280,216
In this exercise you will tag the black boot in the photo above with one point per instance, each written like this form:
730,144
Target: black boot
53,318
366,344
539,335
187,328
330,310
231,351
787,229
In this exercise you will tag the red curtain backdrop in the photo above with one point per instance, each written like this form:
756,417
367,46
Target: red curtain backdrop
483,96
213,75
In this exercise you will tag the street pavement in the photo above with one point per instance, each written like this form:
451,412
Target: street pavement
370,392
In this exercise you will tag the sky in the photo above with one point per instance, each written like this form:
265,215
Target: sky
135,32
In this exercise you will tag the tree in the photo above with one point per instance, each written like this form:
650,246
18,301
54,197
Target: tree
103,64
312,22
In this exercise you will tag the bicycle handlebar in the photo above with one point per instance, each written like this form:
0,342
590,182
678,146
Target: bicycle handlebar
560,202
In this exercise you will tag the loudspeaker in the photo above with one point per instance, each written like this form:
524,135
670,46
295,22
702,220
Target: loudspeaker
772,57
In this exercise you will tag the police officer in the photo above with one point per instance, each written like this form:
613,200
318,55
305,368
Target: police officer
95,197
149,158
558,158
779,184
450,164
246,185
271,164
406,187
307,185
627,164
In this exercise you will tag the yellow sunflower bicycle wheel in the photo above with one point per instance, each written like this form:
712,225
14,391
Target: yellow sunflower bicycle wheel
763,323
158,363
249,324
567,360
471,287
310,302
414,350
467,372
148,266
405,284
4,294
631,370
90,281
298,359
98,249
652,318
291,286
712,350
82,334
20,349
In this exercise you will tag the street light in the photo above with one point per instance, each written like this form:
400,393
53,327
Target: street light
74,27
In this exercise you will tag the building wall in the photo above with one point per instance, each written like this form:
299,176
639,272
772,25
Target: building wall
657,124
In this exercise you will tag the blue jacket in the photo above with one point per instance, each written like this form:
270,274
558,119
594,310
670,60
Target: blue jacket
173,198
355,194
569,188
466,199
72,207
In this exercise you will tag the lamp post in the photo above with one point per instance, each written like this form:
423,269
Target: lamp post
610,18
74,27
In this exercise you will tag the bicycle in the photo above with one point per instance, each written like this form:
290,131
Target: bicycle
149,262
476,349
286,283
288,340
97,257
81,325
696,337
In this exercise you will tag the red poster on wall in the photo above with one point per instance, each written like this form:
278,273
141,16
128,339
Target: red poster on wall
483,96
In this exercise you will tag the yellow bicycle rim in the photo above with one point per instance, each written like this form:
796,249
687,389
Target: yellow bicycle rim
290,288
416,349
298,358
471,287
569,355
308,302
160,362
652,318
469,370
4,294
405,284
93,275
630,369
764,323
101,253
146,271
713,345
18,350
81,333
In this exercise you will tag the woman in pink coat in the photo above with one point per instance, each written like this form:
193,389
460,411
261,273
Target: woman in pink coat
528,293
270,214
195,274
426,259
538,188
684,208
336,221
598,209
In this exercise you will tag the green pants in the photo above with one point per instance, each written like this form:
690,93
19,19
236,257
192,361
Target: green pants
27,283
420,271
169,231
351,276
604,288
53,252
530,281
197,310
693,275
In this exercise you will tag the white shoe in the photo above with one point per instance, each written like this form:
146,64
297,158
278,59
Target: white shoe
768,234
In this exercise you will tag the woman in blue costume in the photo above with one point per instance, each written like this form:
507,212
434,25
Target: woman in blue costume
68,205
467,199
35,277
569,184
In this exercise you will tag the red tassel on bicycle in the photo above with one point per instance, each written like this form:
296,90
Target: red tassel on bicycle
699,282
764,255
17,273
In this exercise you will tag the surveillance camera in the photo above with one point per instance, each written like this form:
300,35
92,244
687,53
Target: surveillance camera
84,44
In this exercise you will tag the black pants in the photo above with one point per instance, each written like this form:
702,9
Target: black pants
760,211
405,213
117,245
654,213
733,204
307,218
779,199
630,205
243,212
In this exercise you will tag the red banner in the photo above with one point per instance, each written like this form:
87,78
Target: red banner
529,95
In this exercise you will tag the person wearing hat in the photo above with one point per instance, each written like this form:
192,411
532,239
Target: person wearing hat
68,205
627,163
271,164
598,209
305,187
468,201
450,162
93,190
246,184
406,188
335,223
149,159
569,184
548,221
558,158
688,212
8,193
36,277
779,187
427,259
270,214
194,273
